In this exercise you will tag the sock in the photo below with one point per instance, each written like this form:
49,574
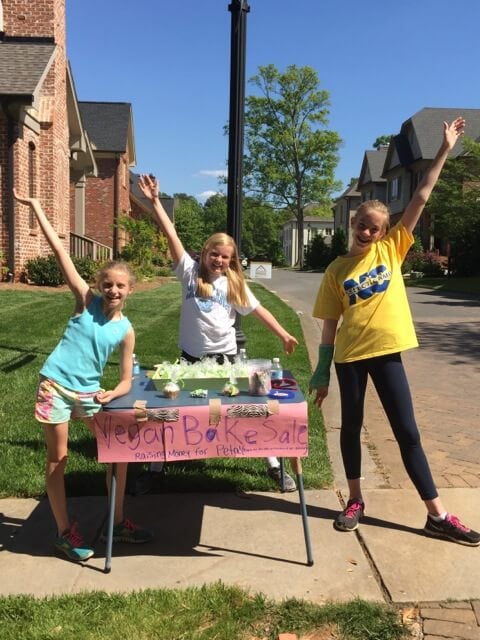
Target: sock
273,462
438,518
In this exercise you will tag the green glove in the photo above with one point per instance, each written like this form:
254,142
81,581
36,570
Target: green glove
321,375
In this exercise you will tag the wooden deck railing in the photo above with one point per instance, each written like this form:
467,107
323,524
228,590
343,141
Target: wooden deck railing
81,246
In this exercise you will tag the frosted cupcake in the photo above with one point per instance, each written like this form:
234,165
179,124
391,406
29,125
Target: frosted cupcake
171,390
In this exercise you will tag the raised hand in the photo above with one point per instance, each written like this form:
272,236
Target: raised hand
149,186
452,131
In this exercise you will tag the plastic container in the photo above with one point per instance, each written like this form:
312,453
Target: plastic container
277,370
259,377
135,366
242,355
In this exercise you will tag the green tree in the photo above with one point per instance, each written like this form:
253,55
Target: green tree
290,155
189,223
318,254
455,209
261,229
145,246
215,214
382,141
339,244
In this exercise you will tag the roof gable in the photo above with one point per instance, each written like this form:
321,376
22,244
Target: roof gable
109,126
23,68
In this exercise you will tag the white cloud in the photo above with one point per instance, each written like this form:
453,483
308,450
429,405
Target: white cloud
213,173
205,195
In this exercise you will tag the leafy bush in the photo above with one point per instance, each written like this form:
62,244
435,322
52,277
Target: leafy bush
86,267
44,271
318,255
428,262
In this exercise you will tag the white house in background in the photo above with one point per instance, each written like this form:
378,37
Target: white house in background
312,226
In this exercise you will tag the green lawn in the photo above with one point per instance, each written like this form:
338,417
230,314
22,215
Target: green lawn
470,286
213,612
32,322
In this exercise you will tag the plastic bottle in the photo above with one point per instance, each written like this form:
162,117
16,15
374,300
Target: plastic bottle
135,366
277,371
242,356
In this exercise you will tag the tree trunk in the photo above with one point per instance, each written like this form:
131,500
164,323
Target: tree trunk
300,256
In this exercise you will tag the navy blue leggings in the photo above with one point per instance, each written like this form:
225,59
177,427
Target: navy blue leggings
388,376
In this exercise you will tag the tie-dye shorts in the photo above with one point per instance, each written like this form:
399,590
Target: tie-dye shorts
56,404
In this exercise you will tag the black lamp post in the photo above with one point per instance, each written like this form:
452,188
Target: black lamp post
239,10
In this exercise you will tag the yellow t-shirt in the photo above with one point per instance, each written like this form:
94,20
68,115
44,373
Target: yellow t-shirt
368,291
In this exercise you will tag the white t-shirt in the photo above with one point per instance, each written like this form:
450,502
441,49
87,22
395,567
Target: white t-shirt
207,324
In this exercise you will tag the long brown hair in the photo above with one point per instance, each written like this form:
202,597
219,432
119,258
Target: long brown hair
236,287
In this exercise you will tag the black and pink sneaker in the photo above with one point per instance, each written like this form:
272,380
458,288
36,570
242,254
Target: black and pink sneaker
452,529
350,517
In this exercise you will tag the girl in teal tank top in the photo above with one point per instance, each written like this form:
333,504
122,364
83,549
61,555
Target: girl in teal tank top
69,384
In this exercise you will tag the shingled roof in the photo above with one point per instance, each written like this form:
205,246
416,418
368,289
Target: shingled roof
23,67
427,124
107,124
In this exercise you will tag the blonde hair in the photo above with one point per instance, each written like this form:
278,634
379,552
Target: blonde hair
236,287
379,206
115,265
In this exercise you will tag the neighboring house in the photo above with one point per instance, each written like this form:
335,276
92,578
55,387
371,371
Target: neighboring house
107,195
412,151
312,226
371,183
344,208
142,207
42,139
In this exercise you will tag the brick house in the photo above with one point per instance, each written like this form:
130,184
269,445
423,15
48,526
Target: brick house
107,195
42,139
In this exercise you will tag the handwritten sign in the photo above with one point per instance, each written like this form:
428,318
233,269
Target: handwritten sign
123,438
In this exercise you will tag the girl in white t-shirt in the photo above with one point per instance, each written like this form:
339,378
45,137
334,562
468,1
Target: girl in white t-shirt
213,292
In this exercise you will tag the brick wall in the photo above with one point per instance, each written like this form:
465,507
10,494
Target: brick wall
47,153
34,18
100,199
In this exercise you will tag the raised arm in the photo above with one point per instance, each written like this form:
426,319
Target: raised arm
413,211
149,188
76,283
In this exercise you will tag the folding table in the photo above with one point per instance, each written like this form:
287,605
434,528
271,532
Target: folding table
144,426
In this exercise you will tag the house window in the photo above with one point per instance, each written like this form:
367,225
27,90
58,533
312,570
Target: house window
32,167
395,188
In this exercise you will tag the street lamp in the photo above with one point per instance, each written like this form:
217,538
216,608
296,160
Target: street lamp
239,10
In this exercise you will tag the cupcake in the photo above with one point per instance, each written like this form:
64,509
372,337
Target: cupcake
171,390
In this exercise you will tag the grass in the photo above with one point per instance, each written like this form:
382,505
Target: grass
213,612
32,322
469,286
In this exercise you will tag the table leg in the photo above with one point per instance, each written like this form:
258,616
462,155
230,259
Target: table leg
297,467
111,515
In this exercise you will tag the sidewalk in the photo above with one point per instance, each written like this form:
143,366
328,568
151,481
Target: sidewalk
209,537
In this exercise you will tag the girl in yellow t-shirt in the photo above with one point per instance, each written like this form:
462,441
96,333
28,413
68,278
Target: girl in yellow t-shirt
365,288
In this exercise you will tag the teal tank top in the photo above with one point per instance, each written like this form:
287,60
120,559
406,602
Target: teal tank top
78,360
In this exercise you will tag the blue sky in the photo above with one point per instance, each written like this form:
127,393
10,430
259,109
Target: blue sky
380,60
